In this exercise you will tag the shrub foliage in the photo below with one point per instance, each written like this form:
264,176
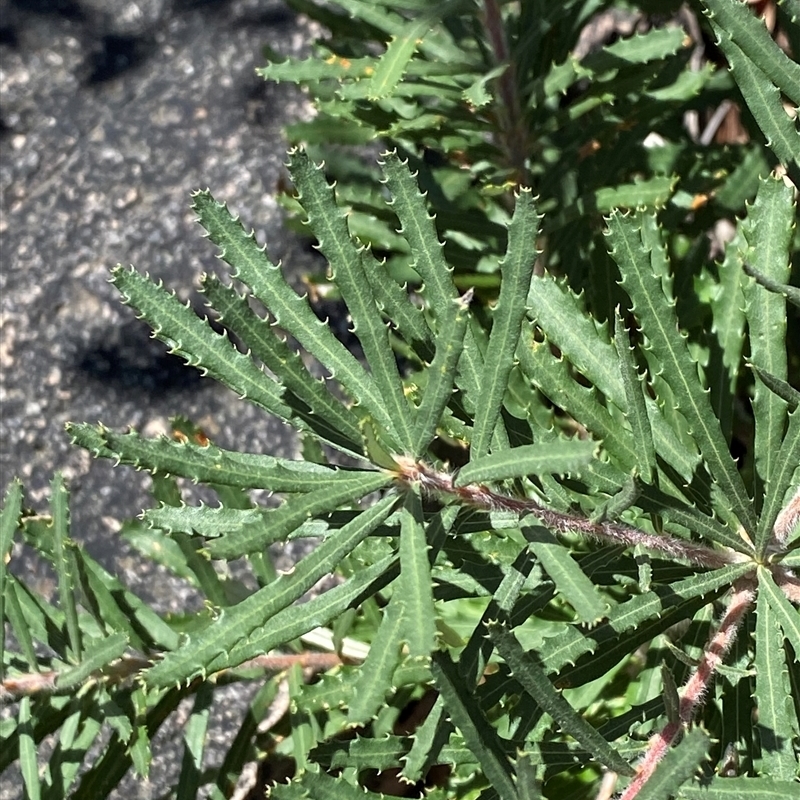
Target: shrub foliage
550,568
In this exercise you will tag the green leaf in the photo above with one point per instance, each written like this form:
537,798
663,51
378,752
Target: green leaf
277,524
328,224
415,587
516,269
750,34
637,248
768,233
535,682
764,101
235,623
791,293
773,695
637,407
9,522
375,678
557,457
781,479
392,64
677,767
64,563
785,614
205,463
327,416
570,580
191,337
96,656
429,739
479,736
251,265
762,788
27,750
440,375
194,740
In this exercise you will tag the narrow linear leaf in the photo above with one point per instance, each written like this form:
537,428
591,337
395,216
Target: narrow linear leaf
570,580
429,739
95,657
64,563
786,615
297,620
277,524
773,695
191,337
791,293
9,522
780,387
375,678
234,624
565,456
638,250
205,463
751,35
27,750
761,788
786,463
768,232
415,586
327,416
392,64
635,397
441,375
764,101
328,224
535,682
251,265
516,269
194,740
478,734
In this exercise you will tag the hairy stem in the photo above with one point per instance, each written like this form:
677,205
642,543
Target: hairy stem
434,481
697,686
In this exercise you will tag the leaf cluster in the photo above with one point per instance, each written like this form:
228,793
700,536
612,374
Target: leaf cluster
546,557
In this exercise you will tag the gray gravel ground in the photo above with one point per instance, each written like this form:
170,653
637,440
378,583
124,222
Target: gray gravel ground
112,112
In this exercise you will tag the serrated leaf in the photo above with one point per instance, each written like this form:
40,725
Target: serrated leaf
327,222
375,679
64,563
634,614
479,736
205,463
415,586
786,615
251,265
763,788
635,397
516,269
764,101
535,682
277,524
775,729
429,739
96,655
565,456
392,64
27,750
327,416
570,580
191,337
637,248
751,35
441,375
234,624
768,232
